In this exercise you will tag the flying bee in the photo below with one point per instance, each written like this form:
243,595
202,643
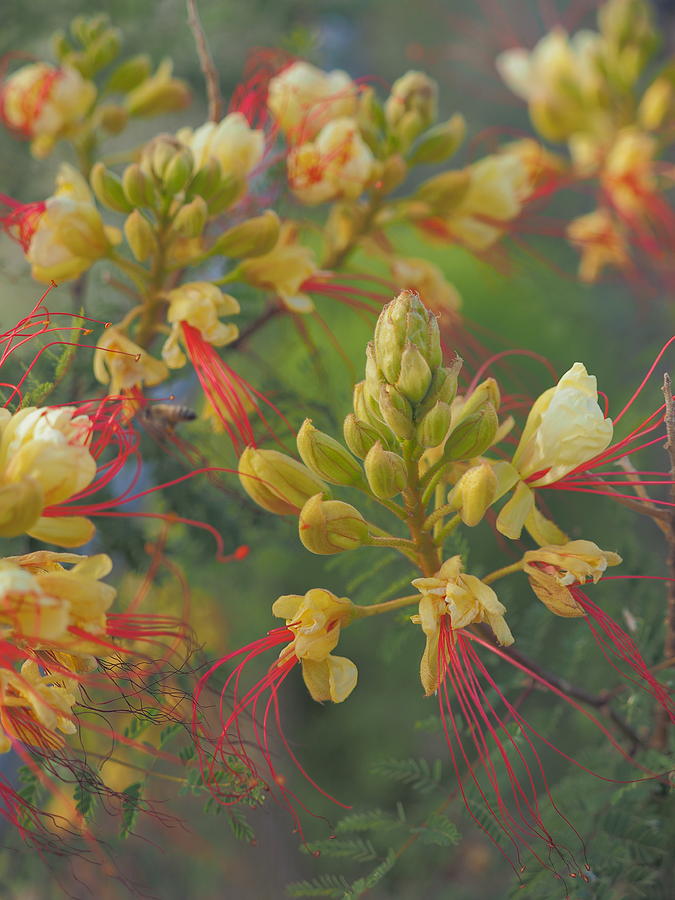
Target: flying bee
161,418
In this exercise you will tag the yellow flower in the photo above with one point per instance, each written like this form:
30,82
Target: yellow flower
315,620
497,188
34,706
26,612
467,600
412,273
236,146
46,103
283,270
337,164
70,235
552,570
199,303
303,99
628,172
44,460
600,241
123,365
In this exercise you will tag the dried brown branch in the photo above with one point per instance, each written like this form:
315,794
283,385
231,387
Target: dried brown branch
206,63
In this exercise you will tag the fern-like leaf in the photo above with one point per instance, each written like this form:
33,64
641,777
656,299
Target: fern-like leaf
420,774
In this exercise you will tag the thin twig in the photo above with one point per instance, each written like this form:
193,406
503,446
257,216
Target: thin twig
205,63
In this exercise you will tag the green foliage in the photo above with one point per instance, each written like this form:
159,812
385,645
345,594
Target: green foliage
357,849
323,886
419,774
131,806
370,820
438,830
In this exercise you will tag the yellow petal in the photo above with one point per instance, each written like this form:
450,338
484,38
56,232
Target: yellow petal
342,675
65,531
515,512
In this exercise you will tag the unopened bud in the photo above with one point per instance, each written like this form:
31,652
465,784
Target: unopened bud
331,526
485,392
231,189
129,74
326,457
412,105
207,180
396,412
254,237
370,113
474,493
103,50
137,188
367,409
658,101
407,333
178,172
112,118
415,376
443,387
443,193
108,189
158,94
139,235
393,174
190,220
433,428
473,435
385,471
278,482
21,504
342,226
359,436
439,143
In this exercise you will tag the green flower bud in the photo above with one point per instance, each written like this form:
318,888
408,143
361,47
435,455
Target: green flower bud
254,237
278,482
331,526
433,428
440,142
137,188
158,94
473,435
159,154
443,193
140,235
108,189
326,457
103,50
190,220
370,113
231,189
385,471
474,493
178,172
396,412
412,105
393,174
112,118
443,387
403,322
207,180
367,409
485,392
129,74
359,436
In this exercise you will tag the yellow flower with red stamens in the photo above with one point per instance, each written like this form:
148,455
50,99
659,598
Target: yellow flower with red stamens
34,707
199,304
283,270
236,146
601,242
123,365
303,99
315,620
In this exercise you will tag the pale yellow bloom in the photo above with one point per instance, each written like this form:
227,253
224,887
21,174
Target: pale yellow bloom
412,273
497,188
26,611
315,620
236,146
628,171
70,235
123,365
45,103
33,707
199,303
467,600
600,240
303,99
283,270
337,164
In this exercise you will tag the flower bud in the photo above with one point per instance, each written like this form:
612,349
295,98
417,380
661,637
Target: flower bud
278,482
658,101
407,345
331,526
190,220
108,189
393,174
439,143
231,189
473,435
443,193
112,118
207,180
386,472
474,493
158,94
139,235
396,412
359,436
433,428
178,172
443,387
368,411
412,105
21,504
129,74
254,237
326,457
486,392
137,188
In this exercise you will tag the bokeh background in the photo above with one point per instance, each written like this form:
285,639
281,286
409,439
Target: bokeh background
533,301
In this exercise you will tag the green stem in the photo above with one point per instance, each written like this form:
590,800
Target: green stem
430,479
361,612
448,528
500,573
138,274
437,515
340,257
427,552
391,541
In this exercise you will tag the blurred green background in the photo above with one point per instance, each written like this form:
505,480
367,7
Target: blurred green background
533,303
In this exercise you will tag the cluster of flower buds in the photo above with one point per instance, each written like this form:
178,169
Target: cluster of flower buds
590,92
48,103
